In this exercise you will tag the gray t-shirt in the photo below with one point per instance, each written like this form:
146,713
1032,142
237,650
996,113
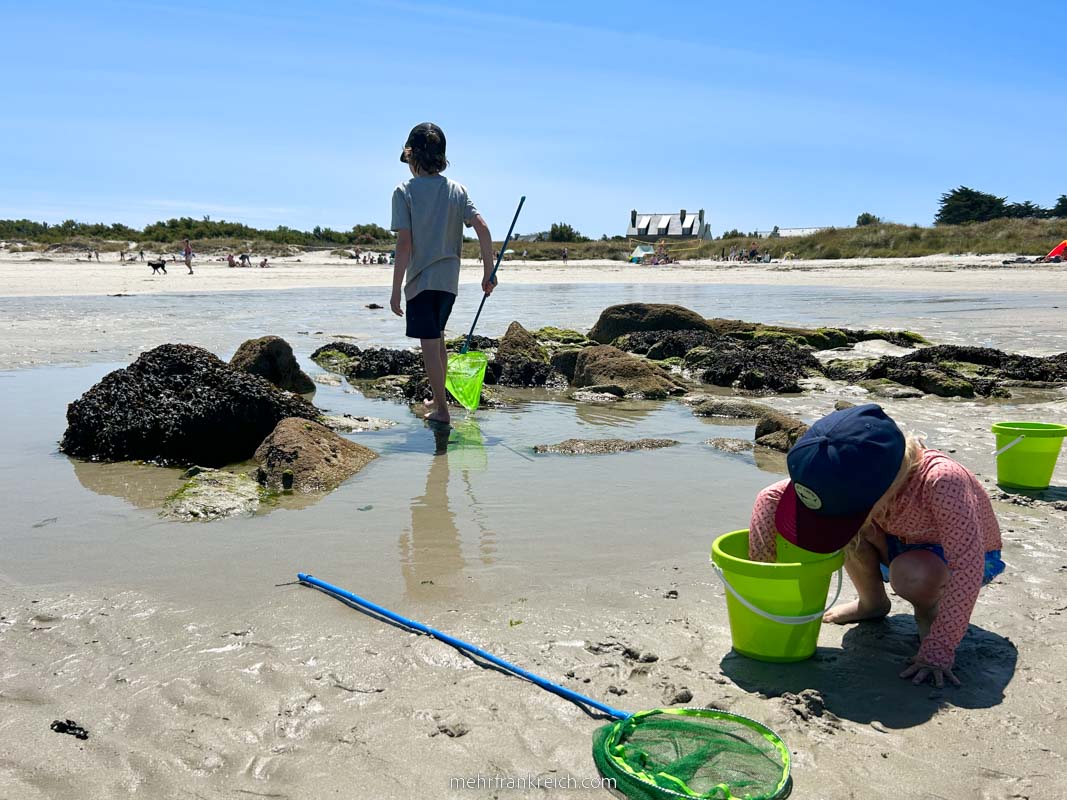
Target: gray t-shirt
434,209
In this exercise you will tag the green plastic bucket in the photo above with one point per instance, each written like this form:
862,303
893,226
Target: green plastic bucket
775,610
1027,453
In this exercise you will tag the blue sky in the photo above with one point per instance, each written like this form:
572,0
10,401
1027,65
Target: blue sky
761,113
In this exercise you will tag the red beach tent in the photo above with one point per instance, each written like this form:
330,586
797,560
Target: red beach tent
1059,250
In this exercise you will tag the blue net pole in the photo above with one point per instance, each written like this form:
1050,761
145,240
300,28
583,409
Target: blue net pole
499,258
459,644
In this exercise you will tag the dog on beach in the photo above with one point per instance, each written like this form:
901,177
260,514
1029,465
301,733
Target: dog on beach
158,266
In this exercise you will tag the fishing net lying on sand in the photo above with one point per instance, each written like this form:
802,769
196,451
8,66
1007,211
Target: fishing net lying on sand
692,753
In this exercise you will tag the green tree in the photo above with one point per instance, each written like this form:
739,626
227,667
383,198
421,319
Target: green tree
964,204
1060,209
867,218
1025,210
562,232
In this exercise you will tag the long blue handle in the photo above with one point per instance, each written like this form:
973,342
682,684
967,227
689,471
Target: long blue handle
459,644
499,258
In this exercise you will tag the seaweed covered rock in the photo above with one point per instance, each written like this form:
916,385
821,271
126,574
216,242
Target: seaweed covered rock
520,360
553,336
213,494
891,390
616,321
776,365
605,365
407,388
596,447
178,404
366,364
816,338
731,408
987,363
271,357
565,362
659,345
377,362
304,456
478,342
335,356
779,431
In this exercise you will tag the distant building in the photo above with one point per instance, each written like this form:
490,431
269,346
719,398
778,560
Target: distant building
785,233
649,227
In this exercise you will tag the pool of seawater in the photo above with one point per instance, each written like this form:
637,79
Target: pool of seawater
49,330
489,514
412,525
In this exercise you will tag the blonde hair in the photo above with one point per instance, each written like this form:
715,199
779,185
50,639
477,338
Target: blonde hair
913,457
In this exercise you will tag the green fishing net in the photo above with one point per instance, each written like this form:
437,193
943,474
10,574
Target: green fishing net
692,753
466,372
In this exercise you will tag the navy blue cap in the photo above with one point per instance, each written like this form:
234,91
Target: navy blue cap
839,469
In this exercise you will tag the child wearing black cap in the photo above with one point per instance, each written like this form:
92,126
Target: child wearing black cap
429,212
905,514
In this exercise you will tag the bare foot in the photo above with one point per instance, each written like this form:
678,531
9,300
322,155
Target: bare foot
855,612
438,416
924,618
429,402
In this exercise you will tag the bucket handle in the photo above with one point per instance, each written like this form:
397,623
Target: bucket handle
784,620
1009,445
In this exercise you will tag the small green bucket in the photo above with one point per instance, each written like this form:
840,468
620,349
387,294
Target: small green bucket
1027,453
775,610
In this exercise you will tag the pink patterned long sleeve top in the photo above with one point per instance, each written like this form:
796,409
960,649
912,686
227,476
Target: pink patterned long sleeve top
942,503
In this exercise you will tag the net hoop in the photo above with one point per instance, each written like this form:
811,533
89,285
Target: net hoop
611,748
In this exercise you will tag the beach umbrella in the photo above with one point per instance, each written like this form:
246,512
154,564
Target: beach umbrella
466,369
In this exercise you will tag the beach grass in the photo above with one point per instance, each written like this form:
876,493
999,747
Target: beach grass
1033,237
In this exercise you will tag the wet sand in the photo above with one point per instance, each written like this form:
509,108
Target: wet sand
201,671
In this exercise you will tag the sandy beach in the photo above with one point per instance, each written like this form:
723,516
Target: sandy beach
202,670
42,274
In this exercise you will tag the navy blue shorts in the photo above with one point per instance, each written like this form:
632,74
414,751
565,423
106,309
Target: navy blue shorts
993,563
427,314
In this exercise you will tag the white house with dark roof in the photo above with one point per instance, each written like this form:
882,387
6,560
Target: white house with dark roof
652,227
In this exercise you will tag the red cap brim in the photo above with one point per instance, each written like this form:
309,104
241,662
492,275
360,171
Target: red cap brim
811,531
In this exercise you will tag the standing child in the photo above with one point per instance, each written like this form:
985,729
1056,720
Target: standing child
429,212
905,514
187,254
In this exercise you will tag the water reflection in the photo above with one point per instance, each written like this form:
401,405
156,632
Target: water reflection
431,551
622,413
141,485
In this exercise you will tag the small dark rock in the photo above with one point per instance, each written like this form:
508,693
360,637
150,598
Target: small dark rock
779,431
680,697
70,727
271,357
453,730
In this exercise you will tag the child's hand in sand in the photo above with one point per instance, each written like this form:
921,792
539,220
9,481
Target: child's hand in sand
394,303
919,671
